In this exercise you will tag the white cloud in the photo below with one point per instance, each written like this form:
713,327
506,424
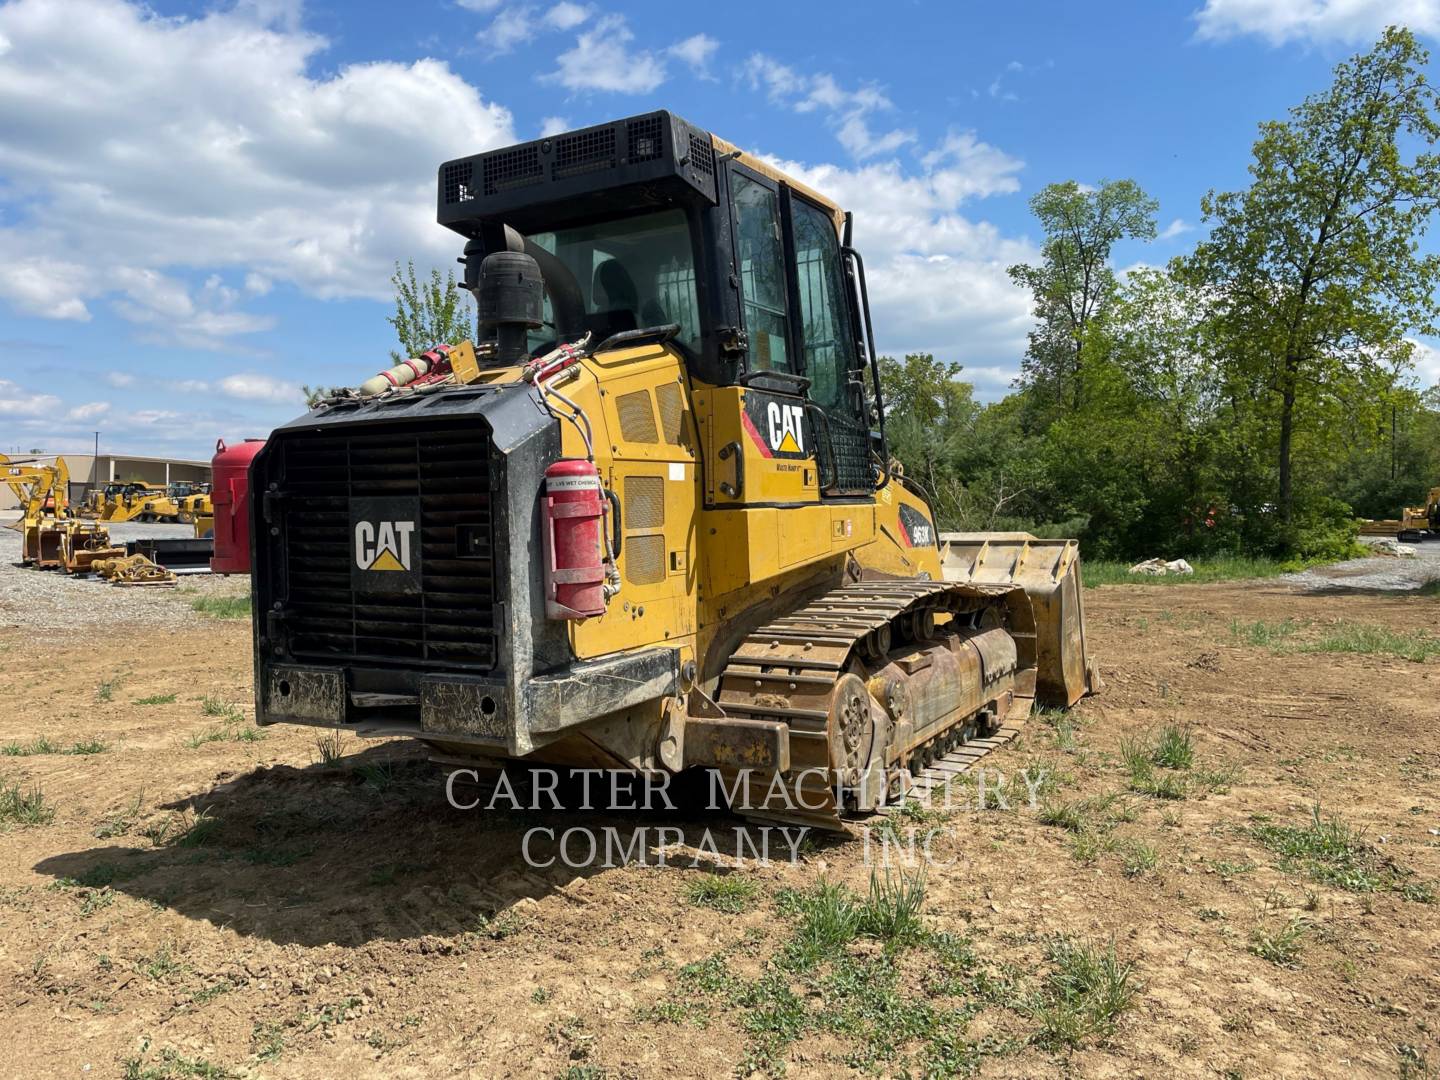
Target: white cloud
228,155
696,51
120,379
20,401
191,386
257,284
937,278
82,414
566,16
511,27
1176,228
36,284
604,58
553,125
478,5
171,315
848,111
1281,21
1426,357
252,386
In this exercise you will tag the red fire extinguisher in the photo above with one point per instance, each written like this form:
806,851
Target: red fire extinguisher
572,520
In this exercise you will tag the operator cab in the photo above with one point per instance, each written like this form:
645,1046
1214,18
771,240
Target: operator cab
649,228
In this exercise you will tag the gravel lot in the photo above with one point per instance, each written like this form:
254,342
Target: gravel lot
56,604
1382,574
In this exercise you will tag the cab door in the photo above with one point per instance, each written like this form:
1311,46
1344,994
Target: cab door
828,354
759,434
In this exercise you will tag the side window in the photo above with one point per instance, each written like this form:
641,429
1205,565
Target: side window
762,271
829,350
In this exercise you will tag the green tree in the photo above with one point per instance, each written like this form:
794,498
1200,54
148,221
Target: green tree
1074,287
929,414
1314,268
428,312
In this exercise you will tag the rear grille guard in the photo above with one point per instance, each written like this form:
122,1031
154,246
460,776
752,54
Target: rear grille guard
451,622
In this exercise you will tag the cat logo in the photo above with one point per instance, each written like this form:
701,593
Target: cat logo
383,545
786,428
385,552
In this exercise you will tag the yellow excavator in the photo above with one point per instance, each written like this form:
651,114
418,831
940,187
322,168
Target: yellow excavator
50,535
648,519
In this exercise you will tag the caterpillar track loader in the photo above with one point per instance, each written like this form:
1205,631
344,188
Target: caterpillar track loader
648,520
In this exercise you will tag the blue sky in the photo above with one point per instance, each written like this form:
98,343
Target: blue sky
200,203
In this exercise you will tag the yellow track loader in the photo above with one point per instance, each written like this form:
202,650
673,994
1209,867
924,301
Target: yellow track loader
647,520
128,500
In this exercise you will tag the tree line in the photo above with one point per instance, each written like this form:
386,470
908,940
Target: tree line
1254,395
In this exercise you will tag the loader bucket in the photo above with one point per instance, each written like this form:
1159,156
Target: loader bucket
1049,572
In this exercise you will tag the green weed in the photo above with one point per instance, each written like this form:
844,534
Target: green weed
1264,635
22,807
724,892
330,747
155,699
1329,851
222,607
1139,858
1174,749
1280,946
1343,637
1086,992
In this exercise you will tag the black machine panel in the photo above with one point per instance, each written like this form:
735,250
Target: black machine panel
653,159
386,541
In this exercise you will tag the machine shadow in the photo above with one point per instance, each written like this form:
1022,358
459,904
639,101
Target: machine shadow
369,848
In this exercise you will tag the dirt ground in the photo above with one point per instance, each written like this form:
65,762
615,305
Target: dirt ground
209,903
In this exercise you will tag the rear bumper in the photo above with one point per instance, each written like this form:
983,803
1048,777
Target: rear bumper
491,713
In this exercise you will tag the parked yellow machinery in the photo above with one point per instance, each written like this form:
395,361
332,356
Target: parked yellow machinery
51,537
649,521
93,505
127,501
195,505
1415,523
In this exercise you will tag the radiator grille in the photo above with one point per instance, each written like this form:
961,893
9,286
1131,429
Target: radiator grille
450,623
672,411
645,559
644,502
637,418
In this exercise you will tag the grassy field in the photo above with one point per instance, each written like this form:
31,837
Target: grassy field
1223,568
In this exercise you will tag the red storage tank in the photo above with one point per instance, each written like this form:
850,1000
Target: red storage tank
230,495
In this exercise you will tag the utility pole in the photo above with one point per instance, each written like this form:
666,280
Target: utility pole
95,463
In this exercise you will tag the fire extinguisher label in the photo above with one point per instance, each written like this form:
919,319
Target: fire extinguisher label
385,544
572,483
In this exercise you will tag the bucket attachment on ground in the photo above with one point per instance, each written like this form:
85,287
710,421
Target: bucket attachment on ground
1049,572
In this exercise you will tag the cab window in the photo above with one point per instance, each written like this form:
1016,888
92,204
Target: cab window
828,348
761,249
633,272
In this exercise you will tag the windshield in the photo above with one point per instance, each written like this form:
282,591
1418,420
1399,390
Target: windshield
633,273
